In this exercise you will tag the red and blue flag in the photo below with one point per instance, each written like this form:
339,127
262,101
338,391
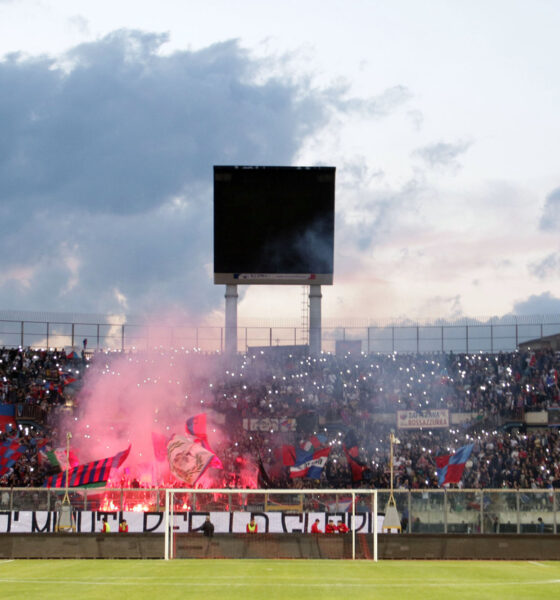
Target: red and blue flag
10,452
310,464
450,467
352,453
95,473
7,416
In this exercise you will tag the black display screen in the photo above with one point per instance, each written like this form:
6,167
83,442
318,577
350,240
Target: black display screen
273,221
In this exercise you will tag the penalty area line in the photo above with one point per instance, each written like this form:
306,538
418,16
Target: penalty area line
251,583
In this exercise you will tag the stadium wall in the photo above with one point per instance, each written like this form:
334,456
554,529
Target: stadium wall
293,546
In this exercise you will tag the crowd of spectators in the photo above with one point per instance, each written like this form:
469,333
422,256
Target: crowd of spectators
34,386
337,394
274,398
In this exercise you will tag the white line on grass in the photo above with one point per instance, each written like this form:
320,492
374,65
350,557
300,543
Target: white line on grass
5,562
251,583
538,564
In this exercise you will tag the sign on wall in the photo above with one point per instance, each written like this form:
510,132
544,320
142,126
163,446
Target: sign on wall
411,419
272,424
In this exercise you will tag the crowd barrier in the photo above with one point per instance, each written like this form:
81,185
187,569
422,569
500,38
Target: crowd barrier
544,547
422,511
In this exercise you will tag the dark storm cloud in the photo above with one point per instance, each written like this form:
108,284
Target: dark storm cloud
550,219
543,304
127,128
106,159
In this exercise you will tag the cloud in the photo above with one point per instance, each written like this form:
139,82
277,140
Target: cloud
550,265
377,106
550,219
450,306
416,117
80,24
370,217
106,162
543,304
125,128
442,154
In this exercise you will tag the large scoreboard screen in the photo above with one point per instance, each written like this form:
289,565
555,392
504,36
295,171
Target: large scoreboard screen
274,225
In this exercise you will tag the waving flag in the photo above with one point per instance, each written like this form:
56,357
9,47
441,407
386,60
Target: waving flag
196,426
263,479
57,458
309,464
350,447
159,442
315,441
188,459
67,378
7,416
10,452
450,467
288,455
93,474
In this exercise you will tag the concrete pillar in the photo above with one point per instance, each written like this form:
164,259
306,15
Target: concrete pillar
231,320
315,319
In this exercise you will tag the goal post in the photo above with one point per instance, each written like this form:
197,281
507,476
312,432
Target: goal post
286,523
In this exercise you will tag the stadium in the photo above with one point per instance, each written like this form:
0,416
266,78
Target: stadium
287,438
155,450
279,300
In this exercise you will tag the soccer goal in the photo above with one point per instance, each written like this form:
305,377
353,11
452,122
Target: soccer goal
271,523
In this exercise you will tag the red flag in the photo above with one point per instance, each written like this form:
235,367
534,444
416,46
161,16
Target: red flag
288,455
196,426
159,442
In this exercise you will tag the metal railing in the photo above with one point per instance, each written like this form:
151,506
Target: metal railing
421,511
467,335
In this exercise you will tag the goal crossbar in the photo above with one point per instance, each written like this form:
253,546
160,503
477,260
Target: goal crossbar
171,493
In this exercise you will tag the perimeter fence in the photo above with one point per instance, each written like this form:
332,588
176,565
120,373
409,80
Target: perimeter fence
51,330
485,511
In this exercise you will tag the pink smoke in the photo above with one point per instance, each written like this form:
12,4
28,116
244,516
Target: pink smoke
126,397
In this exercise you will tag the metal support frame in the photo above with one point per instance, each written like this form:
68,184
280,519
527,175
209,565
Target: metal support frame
231,320
169,512
315,332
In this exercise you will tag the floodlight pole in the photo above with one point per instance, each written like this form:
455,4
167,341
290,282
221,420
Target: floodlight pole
391,497
315,319
392,519
66,499
231,320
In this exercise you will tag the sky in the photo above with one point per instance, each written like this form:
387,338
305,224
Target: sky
441,118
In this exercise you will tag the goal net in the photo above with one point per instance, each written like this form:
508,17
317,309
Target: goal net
231,523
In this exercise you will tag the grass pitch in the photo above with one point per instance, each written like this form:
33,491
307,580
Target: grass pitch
272,579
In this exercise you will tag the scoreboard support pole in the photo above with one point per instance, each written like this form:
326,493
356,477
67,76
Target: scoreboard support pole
231,320
315,319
